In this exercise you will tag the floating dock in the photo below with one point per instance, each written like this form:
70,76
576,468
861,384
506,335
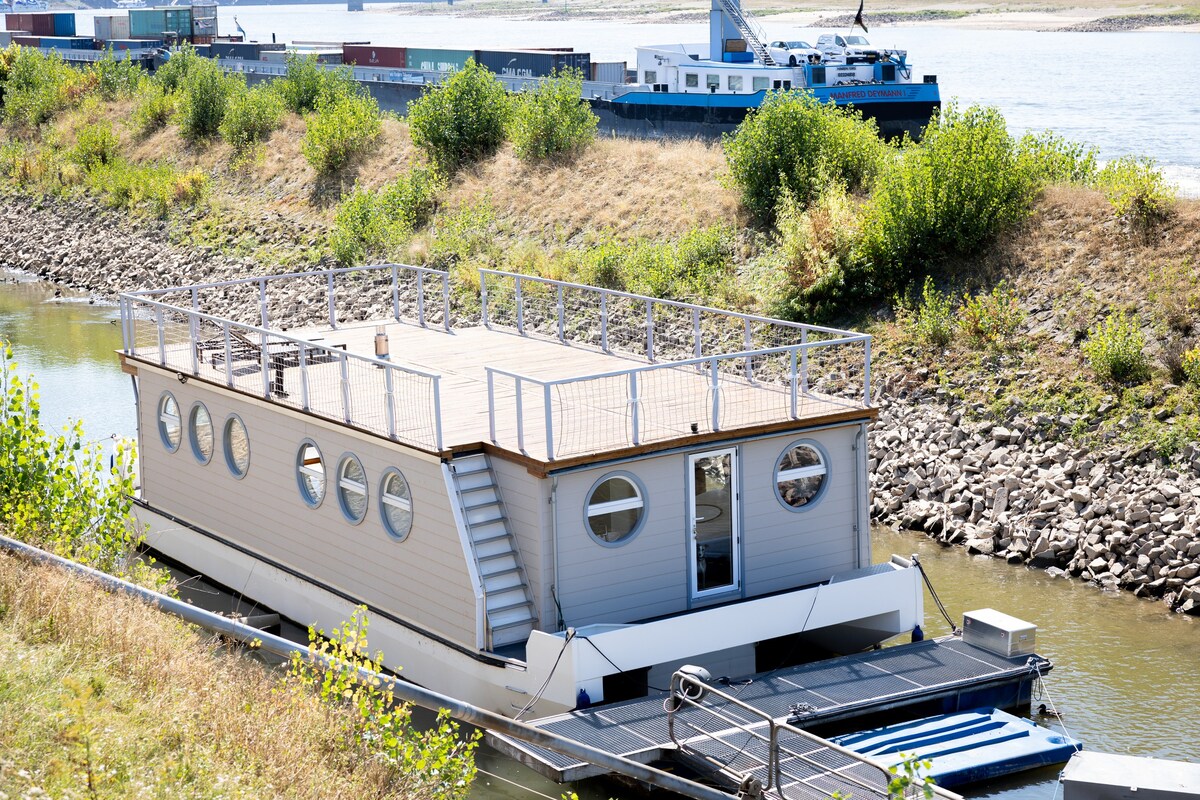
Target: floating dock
967,747
730,732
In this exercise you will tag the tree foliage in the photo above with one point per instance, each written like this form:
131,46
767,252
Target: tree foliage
251,116
461,121
307,81
342,128
552,118
205,93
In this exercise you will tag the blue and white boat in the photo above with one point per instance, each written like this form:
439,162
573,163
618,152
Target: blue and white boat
699,89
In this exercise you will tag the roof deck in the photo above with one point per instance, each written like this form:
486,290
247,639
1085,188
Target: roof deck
552,371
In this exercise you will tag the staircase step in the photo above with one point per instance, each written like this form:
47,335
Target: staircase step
482,517
496,566
509,606
500,545
513,624
500,581
493,503
482,534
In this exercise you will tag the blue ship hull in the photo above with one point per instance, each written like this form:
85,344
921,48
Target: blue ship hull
897,108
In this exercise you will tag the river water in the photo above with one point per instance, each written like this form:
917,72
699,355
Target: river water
1127,671
1129,93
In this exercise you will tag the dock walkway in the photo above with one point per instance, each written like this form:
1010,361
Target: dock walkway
726,739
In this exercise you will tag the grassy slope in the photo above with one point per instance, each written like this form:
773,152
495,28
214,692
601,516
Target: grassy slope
1071,263
103,696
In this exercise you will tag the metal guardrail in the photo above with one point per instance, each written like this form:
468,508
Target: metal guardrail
772,756
310,375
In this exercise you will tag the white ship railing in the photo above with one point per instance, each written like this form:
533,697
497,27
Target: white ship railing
166,327
717,370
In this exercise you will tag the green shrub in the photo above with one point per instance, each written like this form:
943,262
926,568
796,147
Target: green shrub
411,200
250,116
204,97
117,78
796,142
170,75
343,128
7,56
1053,159
95,144
307,81
38,87
370,223
153,110
462,120
1191,366
814,250
933,322
949,195
991,319
1114,350
154,188
462,234
552,118
1136,190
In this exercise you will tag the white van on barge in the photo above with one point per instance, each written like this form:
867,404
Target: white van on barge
566,500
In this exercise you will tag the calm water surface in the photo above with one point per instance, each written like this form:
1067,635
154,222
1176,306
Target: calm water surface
1127,671
1124,93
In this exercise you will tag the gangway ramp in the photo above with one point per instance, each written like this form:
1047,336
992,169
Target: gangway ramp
726,735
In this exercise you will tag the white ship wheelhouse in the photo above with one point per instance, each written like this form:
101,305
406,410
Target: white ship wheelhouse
552,488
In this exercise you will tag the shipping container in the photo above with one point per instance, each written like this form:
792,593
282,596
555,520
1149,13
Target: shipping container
28,41
69,42
609,71
64,23
150,22
17,23
115,27
199,40
533,63
437,60
243,51
133,44
322,56
204,50
371,56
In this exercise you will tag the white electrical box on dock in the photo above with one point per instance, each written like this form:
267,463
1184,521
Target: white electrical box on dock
1103,776
991,630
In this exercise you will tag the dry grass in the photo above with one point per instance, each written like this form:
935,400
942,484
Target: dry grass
166,710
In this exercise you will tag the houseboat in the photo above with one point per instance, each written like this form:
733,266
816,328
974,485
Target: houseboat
546,495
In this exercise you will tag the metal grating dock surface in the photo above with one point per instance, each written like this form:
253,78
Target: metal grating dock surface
829,690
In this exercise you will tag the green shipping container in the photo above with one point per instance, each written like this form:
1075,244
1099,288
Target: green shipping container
437,60
144,22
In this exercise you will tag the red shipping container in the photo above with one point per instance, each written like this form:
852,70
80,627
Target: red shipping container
366,55
18,22
41,24
28,41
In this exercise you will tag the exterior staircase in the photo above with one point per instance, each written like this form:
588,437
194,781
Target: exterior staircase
732,9
511,615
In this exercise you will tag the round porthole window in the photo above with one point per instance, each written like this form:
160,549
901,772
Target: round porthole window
237,446
170,426
310,473
800,476
352,488
615,509
395,504
200,433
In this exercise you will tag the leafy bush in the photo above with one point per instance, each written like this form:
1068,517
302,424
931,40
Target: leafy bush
95,144
204,97
153,187
1191,366
7,56
1054,159
170,75
117,78
1114,350
462,120
307,81
552,118
991,319
947,196
154,108
814,249
38,86
250,116
57,491
795,141
1136,190
1173,358
370,223
933,322
343,128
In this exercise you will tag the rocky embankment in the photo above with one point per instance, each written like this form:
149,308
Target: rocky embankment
1011,488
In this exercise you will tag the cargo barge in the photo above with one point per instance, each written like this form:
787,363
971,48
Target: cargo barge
676,90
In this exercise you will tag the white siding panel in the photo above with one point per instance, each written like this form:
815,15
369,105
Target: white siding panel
423,579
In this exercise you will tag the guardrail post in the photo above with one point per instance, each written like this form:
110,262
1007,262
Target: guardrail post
446,303
520,295
264,357
549,422
491,384
228,355
389,394
483,299
262,303
867,372
330,296
795,379
520,417
715,379
396,297
649,330
346,388
697,348
123,313
561,338
303,356
604,321
162,336
193,338
747,344
804,360
635,403
437,412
